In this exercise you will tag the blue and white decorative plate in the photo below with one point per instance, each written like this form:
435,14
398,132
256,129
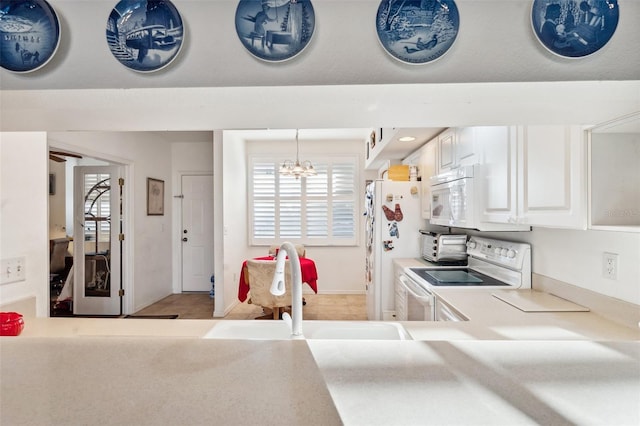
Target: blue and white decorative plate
417,31
275,30
145,35
29,34
574,28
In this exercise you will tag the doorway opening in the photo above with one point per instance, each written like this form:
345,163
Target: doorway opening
197,232
86,229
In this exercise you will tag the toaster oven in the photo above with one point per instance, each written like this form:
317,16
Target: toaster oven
443,247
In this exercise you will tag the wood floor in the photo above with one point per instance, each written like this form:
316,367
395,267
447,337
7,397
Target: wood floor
319,307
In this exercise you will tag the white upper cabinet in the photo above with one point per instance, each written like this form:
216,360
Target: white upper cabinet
428,158
456,147
498,155
535,175
553,171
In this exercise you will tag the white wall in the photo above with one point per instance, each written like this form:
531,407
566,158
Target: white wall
495,43
187,158
233,201
575,257
24,214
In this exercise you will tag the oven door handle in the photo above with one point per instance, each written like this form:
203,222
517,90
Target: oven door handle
426,297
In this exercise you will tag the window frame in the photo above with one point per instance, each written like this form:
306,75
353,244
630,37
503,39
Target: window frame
329,241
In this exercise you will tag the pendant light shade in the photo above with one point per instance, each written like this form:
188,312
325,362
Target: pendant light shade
297,168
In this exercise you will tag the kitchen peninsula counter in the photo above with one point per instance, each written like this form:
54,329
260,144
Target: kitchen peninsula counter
166,381
135,380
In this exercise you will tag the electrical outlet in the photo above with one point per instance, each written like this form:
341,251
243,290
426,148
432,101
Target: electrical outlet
610,265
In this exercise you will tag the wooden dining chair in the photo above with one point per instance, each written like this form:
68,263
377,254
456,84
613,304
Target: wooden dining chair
300,249
260,274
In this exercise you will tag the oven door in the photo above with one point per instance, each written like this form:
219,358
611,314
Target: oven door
414,302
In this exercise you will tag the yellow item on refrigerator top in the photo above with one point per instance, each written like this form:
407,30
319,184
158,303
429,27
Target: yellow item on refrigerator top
398,172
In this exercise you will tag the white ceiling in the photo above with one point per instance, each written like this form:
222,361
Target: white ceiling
395,150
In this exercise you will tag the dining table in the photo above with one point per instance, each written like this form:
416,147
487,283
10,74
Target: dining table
308,271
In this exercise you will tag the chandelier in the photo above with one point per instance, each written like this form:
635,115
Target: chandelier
297,169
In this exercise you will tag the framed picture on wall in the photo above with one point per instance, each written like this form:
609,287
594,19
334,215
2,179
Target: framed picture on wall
155,197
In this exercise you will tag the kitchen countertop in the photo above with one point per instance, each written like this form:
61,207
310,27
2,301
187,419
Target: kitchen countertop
157,381
160,381
490,318
503,366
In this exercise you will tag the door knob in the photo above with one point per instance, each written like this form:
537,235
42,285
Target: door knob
185,239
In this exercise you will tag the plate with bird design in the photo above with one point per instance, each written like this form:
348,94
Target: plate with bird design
417,31
275,30
29,34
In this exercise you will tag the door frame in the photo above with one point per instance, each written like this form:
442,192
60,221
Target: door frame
127,217
177,224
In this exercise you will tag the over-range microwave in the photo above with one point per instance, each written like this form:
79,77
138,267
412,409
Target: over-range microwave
456,201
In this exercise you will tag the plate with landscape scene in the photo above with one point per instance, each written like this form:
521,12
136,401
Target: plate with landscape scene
417,31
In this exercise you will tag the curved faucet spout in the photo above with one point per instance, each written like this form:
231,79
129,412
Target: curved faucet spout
278,287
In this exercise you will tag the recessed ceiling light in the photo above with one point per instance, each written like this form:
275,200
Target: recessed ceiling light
407,139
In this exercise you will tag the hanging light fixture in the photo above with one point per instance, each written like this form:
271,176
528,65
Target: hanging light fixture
297,169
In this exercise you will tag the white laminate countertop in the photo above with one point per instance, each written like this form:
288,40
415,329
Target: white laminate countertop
503,366
490,318
160,381
482,382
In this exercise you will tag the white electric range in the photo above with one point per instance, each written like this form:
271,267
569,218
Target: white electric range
491,264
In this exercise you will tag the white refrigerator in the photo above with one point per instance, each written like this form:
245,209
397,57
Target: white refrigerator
393,221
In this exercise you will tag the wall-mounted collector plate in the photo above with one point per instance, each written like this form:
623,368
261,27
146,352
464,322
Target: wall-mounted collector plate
417,32
574,28
29,34
275,30
145,35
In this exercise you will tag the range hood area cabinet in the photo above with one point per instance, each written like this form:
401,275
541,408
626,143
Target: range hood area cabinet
614,177
535,175
457,147
453,148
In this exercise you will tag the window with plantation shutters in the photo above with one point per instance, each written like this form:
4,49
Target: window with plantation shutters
97,206
316,210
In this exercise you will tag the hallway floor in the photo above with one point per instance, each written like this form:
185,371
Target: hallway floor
349,307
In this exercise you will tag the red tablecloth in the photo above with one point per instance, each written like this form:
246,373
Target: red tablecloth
309,276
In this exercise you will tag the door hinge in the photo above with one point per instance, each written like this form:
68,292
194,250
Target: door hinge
121,181
121,292
121,237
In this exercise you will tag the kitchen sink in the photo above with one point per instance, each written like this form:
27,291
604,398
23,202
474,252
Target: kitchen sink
327,330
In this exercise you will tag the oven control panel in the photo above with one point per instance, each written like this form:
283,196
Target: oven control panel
506,253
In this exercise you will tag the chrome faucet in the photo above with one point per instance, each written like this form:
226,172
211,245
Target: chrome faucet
278,286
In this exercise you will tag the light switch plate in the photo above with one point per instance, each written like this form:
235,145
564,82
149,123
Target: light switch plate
12,270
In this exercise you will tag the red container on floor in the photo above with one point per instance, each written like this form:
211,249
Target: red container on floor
11,324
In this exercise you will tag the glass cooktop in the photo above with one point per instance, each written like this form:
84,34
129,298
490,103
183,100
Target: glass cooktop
459,277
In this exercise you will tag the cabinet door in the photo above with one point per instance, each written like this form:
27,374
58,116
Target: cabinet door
428,157
497,146
553,175
465,146
446,148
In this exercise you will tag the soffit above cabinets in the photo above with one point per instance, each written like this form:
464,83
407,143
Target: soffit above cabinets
391,148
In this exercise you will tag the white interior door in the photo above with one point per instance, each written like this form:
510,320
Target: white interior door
96,242
197,232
